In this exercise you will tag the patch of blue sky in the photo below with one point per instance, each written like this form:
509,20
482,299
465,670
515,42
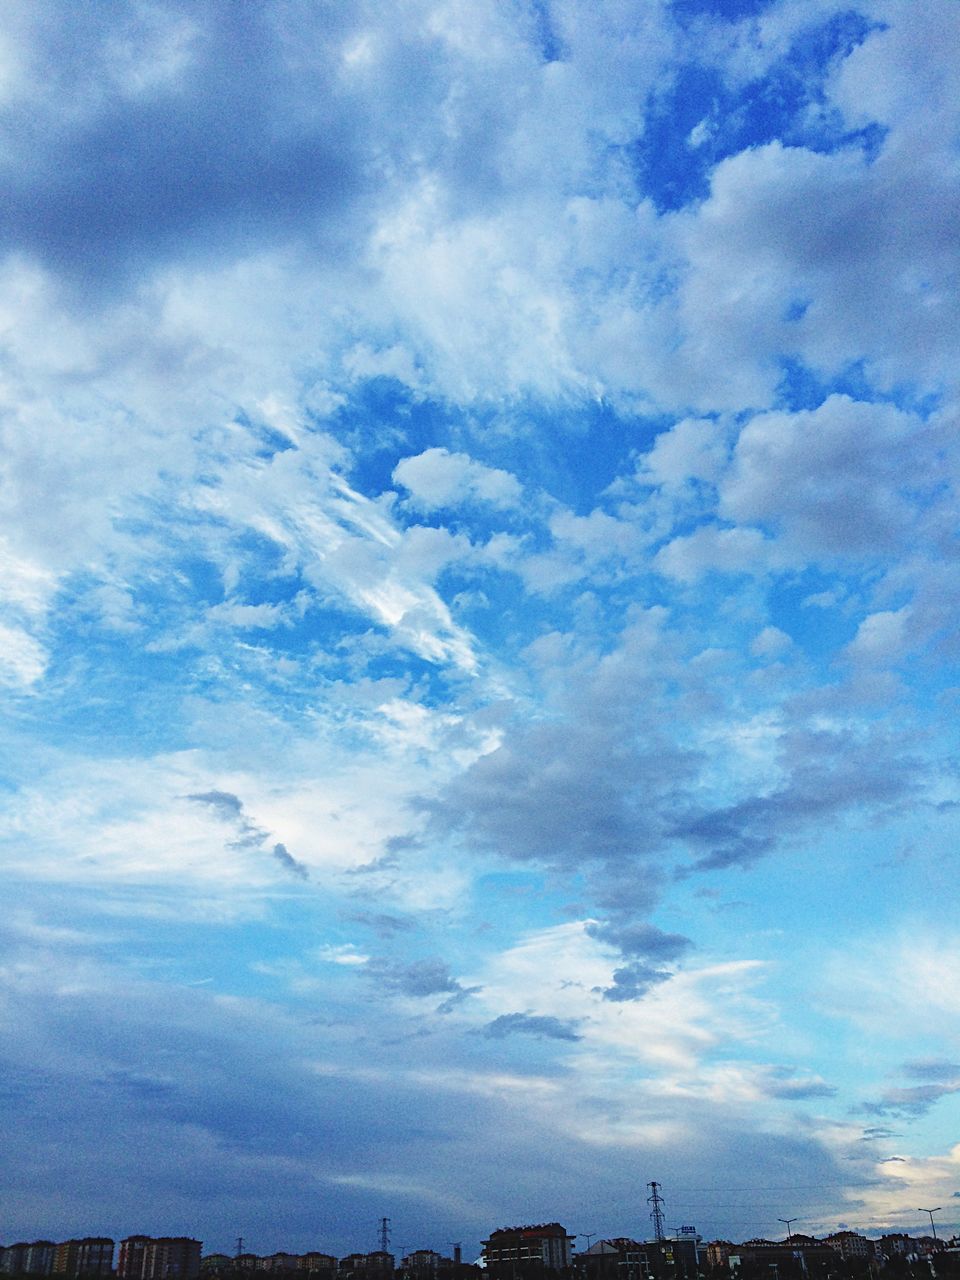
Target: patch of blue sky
801,387
497,607
817,609
730,10
533,894
700,119
383,421
550,44
598,441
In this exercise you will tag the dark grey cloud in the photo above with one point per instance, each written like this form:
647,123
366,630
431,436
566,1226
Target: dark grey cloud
419,979
229,805
830,775
383,924
200,132
645,947
913,1101
289,862
783,1085
632,981
877,1133
591,786
249,136
640,939
248,835
529,1024
932,1069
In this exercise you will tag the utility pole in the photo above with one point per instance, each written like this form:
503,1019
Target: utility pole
931,1212
789,1222
656,1213
239,1245
384,1235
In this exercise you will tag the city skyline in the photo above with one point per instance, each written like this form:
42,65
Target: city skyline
550,1245
479,599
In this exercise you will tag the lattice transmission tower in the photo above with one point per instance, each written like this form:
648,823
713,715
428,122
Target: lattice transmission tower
656,1213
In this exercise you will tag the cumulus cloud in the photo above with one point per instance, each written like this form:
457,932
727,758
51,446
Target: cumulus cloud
439,478
798,473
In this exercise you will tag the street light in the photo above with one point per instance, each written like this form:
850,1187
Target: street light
789,1222
931,1212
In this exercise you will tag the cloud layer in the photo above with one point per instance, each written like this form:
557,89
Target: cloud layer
478,621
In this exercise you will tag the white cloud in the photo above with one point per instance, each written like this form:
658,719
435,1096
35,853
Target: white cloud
711,549
439,478
881,637
694,449
23,660
771,642
898,987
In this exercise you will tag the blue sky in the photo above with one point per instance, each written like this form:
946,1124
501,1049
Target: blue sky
479,615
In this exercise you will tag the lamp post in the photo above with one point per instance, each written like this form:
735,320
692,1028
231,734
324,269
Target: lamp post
789,1222
931,1212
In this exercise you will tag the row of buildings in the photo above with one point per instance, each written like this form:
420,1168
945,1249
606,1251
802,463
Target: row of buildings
140,1258
510,1253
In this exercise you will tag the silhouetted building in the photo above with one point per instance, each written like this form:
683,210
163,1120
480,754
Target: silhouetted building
849,1244
367,1266
315,1261
619,1258
522,1251
33,1258
895,1245
28,1258
718,1252
163,1258
91,1256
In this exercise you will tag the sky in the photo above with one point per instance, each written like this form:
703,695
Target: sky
478,644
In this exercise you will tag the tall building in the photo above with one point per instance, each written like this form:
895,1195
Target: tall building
527,1251
28,1259
91,1256
850,1244
163,1258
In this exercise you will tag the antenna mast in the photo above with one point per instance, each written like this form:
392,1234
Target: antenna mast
384,1235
